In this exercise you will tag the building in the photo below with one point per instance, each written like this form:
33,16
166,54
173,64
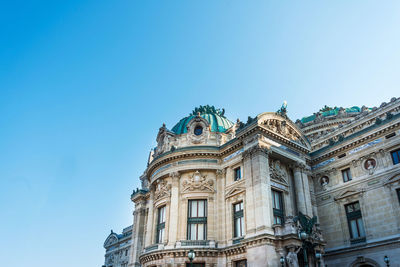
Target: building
117,248
232,192
356,174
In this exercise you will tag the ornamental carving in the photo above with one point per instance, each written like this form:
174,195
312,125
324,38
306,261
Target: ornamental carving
277,171
198,182
163,189
282,128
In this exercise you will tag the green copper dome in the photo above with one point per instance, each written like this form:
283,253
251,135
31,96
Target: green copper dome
215,117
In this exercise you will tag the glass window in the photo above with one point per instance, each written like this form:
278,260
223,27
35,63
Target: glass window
197,220
398,193
277,205
238,220
238,174
346,175
198,130
160,224
241,263
354,219
396,156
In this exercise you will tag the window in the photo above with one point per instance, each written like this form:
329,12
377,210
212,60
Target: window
277,204
354,219
126,252
238,220
160,225
398,193
396,156
346,175
238,174
241,263
197,220
198,130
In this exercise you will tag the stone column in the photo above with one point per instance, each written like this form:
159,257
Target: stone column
262,190
307,193
300,189
174,211
259,216
137,234
220,207
149,226
249,208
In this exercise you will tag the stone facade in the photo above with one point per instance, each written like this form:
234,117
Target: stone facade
232,192
363,144
118,247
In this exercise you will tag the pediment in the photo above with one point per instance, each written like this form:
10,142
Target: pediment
283,127
111,239
393,179
348,193
235,191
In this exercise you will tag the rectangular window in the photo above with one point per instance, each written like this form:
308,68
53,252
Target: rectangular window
356,225
396,156
346,175
160,225
197,220
238,174
241,263
238,220
277,205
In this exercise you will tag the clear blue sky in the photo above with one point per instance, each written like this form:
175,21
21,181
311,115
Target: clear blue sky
86,84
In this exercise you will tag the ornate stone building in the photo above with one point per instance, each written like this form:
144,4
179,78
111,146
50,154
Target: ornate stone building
117,248
232,191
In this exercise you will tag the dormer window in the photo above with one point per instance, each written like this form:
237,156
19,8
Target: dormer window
198,130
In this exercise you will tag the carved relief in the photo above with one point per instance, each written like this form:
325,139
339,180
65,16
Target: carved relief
165,141
198,182
370,165
282,128
278,171
162,189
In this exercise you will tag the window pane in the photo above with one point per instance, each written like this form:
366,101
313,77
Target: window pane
354,232
348,174
201,208
194,209
361,227
193,231
200,229
237,227
395,157
242,226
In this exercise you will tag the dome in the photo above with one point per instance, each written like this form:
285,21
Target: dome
215,117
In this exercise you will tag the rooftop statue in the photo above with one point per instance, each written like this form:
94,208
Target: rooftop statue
208,109
283,110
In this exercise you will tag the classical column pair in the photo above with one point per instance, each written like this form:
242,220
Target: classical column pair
302,189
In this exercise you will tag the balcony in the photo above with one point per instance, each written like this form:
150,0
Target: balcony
196,243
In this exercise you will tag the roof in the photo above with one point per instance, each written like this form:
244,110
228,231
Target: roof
215,117
331,112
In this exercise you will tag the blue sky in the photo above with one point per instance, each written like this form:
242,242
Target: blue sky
85,85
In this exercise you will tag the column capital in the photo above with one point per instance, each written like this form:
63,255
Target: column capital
220,173
257,149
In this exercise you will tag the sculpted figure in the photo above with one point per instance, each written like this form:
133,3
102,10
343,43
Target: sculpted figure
291,257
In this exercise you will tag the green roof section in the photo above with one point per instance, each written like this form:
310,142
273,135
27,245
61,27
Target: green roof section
215,117
327,112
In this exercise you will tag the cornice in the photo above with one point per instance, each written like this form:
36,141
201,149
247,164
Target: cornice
342,146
